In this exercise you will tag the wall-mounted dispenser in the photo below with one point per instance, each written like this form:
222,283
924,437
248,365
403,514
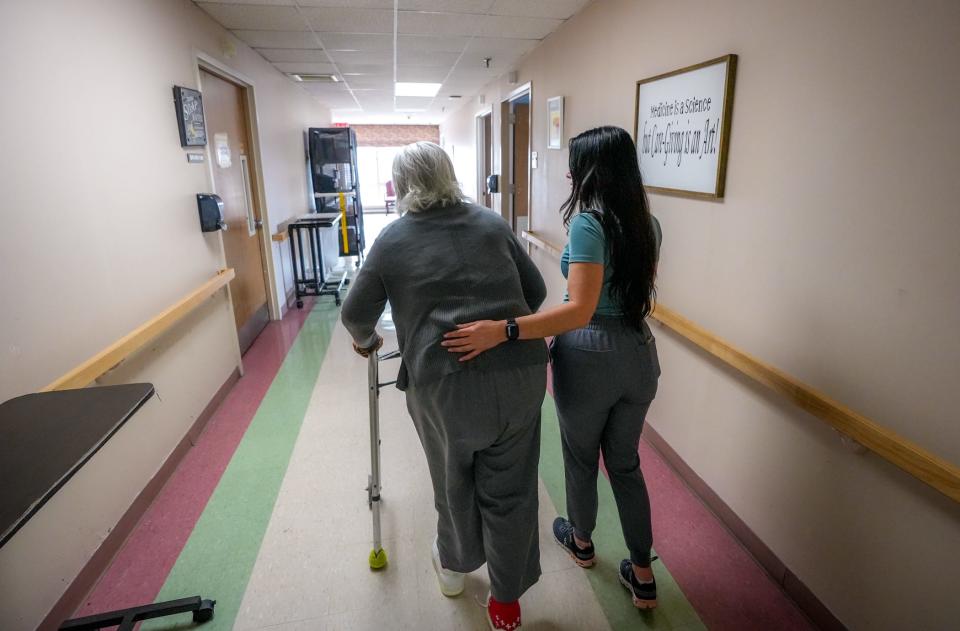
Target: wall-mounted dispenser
211,212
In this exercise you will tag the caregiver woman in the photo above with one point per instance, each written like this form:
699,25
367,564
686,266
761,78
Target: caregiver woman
605,365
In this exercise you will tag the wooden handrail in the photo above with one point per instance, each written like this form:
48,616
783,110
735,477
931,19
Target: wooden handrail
541,243
918,462
111,356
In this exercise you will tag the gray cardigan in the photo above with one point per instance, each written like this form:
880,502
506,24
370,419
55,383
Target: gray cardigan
439,268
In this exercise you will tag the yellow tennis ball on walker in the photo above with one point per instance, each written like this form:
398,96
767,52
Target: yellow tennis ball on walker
378,559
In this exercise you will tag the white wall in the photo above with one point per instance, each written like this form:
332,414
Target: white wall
834,257
99,228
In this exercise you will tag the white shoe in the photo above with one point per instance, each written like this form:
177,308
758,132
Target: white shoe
451,583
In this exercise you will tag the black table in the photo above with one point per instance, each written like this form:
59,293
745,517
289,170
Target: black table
309,278
44,440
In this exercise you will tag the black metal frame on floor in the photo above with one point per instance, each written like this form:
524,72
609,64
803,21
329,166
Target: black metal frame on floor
128,618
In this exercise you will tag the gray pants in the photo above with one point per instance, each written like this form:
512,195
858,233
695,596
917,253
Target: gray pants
481,435
605,377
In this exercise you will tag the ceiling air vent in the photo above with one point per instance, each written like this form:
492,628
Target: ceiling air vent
314,78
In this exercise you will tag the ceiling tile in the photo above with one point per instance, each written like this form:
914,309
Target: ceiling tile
255,16
350,20
460,85
426,58
447,6
382,103
370,82
516,27
560,9
381,42
494,47
325,89
306,67
413,23
273,2
437,41
421,74
361,57
293,55
376,69
357,4
372,94
278,39
426,43
413,102
339,102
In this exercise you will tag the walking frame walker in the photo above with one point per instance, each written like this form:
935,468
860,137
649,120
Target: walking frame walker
378,556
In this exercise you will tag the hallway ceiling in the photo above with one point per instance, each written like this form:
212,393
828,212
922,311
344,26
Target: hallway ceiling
370,44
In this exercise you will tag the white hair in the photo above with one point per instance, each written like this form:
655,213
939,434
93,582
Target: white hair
424,177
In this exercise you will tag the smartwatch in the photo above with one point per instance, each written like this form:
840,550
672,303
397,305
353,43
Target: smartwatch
513,330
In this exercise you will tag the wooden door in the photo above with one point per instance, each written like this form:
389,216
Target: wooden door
228,137
485,138
521,164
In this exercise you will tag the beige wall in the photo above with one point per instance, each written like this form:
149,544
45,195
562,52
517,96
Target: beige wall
99,232
834,257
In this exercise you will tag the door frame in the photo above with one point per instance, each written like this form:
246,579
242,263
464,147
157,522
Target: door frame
208,63
507,150
480,139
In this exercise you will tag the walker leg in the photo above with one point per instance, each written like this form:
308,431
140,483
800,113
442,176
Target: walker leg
378,556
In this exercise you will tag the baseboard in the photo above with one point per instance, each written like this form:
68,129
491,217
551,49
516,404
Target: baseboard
804,598
289,299
87,579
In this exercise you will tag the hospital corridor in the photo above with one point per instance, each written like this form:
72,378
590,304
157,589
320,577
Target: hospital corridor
416,315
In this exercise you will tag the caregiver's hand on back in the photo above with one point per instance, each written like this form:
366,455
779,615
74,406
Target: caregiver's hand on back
476,337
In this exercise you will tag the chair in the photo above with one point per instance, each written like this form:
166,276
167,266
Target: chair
391,197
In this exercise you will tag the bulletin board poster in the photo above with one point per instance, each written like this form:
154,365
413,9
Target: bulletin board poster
682,128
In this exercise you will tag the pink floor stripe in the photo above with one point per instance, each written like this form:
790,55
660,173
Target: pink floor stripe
724,584
140,568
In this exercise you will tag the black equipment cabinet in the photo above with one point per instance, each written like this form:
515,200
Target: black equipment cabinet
333,170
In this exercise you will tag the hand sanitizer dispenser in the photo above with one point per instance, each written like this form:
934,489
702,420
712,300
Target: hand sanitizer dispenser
211,212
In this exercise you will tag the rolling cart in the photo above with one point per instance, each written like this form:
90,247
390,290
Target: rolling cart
309,277
332,153
378,556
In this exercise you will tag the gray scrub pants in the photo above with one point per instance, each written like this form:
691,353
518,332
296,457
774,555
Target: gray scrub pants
604,379
481,435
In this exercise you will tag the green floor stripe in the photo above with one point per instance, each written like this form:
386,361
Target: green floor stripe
218,558
674,611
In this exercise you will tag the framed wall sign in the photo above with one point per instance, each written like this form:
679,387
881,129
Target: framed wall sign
193,130
682,128
555,121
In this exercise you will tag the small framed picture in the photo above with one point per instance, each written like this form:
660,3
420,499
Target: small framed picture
193,130
555,120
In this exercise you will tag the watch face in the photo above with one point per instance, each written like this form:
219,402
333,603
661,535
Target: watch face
513,331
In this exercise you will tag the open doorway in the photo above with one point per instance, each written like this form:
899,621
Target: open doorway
515,131
484,157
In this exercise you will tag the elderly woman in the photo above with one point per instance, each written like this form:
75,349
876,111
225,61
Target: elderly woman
447,261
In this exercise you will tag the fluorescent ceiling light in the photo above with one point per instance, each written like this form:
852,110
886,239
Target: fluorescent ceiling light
314,78
416,89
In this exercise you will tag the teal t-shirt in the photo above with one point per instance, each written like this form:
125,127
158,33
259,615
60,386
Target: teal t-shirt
588,244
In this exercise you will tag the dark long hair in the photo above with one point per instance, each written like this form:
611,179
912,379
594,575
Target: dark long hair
606,178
